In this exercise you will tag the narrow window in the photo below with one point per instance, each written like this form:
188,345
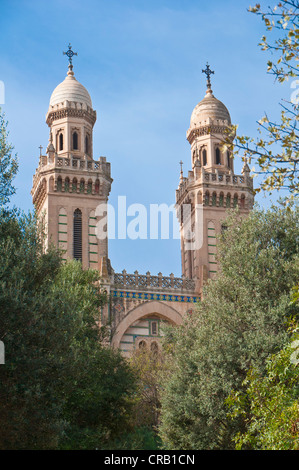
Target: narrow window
228,200
86,144
214,199
77,235
221,200
154,349
67,185
218,159
228,158
154,328
59,183
207,198
204,157
60,141
75,141
74,185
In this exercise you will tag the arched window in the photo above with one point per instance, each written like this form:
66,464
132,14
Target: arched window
59,183
60,141
142,345
74,185
97,187
77,235
228,158
207,198
86,144
214,199
67,184
75,141
154,328
235,200
82,184
242,201
221,200
204,157
218,158
154,349
89,187
228,200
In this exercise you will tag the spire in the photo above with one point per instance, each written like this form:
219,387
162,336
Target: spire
70,53
181,174
208,73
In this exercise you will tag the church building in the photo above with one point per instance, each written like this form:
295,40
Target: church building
70,183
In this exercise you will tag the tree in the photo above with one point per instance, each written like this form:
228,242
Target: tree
240,321
276,151
8,164
59,387
270,403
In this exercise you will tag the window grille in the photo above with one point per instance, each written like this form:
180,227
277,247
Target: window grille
77,240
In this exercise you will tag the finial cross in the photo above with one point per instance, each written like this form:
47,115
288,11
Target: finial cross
70,53
181,163
208,73
40,150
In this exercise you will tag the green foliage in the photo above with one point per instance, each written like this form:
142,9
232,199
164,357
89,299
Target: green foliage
270,403
240,321
147,366
139,438
276,150
59,387
8,164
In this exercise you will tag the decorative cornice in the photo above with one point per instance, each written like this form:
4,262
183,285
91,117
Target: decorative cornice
89,116
205,130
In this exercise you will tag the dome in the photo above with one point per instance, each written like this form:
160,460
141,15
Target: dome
209,107
70,89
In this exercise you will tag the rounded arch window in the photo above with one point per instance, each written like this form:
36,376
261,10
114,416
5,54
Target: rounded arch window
75,141
228,158
204,157
87,144
207,198
67,184
142,345
59,183
60,141
74,185
82,184
154,348
218,157
221,197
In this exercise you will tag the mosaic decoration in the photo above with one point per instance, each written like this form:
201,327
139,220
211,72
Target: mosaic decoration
149,296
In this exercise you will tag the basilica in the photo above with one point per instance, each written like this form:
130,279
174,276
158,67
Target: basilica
70,183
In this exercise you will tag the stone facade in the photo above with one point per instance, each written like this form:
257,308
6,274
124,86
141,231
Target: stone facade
69,185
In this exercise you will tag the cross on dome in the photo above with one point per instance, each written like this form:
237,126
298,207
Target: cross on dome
70,53
208,73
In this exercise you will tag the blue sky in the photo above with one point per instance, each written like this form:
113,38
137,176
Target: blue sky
141,62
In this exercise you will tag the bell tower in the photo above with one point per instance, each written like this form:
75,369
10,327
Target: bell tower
69,184
210,189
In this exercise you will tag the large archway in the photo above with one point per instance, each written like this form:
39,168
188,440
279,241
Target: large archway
147,310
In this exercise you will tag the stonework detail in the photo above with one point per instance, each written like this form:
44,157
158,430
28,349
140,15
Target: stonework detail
69,184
